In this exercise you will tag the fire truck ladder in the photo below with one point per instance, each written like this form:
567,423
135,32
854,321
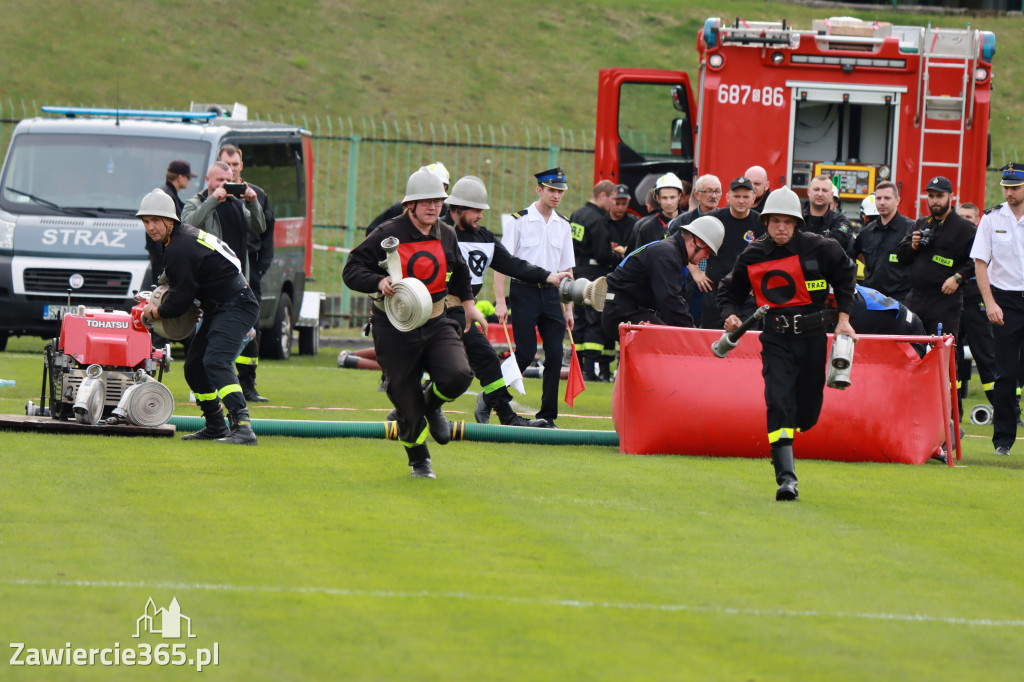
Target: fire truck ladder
943,50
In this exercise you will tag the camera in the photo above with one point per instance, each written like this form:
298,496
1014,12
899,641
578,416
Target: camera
926,236
235,189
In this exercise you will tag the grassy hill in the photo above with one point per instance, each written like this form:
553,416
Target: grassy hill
477,62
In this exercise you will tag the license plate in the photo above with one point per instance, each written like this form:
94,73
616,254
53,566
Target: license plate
55,312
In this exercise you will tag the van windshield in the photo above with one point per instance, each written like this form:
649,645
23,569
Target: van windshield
92,174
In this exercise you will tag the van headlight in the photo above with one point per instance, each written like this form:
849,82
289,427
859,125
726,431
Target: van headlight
6,235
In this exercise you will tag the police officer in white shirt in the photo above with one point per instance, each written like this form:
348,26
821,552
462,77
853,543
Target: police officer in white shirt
539,235
998,254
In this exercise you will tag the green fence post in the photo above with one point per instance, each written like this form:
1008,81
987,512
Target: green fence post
553,155
350,214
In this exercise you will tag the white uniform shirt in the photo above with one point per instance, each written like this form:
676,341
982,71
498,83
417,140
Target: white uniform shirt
548,245
1000,243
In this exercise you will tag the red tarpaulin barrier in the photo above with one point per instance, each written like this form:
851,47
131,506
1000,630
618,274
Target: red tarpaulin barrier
673,396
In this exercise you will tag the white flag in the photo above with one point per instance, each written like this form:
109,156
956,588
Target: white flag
513,377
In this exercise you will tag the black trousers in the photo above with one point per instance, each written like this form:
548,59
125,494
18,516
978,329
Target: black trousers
483,360
251,353
615,314
937,309
209,367
793,367
404,356
540,308
1009,342
976,332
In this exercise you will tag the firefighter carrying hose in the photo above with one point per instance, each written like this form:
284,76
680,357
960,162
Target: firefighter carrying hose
790,271
198,265
428,251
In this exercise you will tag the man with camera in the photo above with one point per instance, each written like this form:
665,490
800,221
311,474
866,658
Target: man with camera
227,210
937,251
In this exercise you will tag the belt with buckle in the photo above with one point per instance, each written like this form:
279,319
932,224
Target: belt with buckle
800,324
544,285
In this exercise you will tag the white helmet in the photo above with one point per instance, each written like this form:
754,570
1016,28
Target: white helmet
468,192
438,169
710,229
424,185
867,207
783,201
669,180
158,203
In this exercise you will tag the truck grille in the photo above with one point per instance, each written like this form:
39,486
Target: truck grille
97,282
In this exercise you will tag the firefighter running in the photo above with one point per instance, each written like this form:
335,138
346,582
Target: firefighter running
429,252
790,270
198,265
480,249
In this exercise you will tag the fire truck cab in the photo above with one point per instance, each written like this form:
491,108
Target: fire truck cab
859,101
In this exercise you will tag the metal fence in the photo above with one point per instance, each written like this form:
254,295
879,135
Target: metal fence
361,167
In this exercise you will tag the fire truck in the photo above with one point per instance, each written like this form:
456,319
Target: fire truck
859,101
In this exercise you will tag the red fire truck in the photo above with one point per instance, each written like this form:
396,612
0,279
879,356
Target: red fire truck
860,101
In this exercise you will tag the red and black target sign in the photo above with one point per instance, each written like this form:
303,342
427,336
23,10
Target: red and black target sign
779,283
426,262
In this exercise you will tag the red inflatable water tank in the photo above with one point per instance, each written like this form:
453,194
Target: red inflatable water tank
673,396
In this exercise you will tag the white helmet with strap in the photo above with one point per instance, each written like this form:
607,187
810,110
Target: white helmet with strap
669,180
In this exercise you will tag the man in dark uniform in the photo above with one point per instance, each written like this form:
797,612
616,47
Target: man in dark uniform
201,266
480,249
648,285
428,251
790,270
937,251
540,235
668,189
821,218
592,248
876,244
260,253
620,221
975,329
741,228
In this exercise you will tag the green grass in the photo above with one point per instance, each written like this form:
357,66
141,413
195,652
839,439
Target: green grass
310,559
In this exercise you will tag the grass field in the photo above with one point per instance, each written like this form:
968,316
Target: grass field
307,559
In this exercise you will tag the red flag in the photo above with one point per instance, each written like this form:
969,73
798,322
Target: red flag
574,385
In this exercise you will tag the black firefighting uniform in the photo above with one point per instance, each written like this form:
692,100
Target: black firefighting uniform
833,224
739,232
591,243
260,253
793,280
948,253
481,249
200,266
882,269
648,287
976,332
436,347
649,229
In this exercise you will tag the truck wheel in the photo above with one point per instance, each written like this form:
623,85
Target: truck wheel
280,335
309,340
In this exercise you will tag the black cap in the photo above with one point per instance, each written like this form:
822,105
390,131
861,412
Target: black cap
179,167
622,192
741,183
939,184
554,178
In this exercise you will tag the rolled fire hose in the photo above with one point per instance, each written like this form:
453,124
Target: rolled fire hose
410,306
173,328
146,402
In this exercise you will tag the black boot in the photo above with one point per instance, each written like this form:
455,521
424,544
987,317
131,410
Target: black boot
587,363
604,369
247,380
241,429
509,417
215,427
785,473
419,460
483,409
440,427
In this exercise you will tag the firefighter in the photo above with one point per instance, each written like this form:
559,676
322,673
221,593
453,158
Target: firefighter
429,251
875,245
790,270
592,249
821,218
200,266
395,210
975,329
648,285
668,189
480,249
